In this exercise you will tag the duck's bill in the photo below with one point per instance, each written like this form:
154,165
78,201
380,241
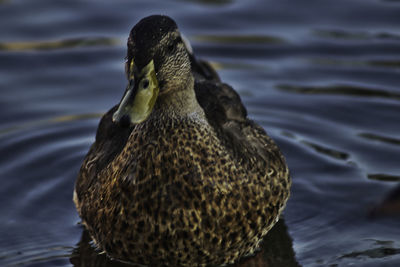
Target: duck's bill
140,96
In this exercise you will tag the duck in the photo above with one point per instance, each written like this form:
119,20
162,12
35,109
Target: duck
178,174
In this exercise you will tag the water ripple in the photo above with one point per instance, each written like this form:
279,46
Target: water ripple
380,138
36,255
392,64
381,252
353,35
239,39
212,2
384,177
349,90
61,44
336,154
64,118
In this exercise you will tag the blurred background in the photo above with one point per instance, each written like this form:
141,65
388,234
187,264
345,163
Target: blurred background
322,77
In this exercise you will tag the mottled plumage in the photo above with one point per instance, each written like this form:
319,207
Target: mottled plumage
197,183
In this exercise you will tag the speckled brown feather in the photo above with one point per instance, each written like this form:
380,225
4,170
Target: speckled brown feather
195,190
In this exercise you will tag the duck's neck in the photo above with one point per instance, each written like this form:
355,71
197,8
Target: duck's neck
178,103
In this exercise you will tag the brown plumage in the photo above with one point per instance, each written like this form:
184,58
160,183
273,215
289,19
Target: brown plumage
197,183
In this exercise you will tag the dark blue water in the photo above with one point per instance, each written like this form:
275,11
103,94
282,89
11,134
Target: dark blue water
322,77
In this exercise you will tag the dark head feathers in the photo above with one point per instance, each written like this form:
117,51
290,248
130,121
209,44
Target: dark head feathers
148,32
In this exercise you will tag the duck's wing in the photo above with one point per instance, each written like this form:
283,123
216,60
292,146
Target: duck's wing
111,138
243,138
202,70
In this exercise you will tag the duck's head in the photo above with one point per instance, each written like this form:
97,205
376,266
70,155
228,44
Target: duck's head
157,65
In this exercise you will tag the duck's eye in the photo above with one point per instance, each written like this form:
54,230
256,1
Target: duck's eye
172,45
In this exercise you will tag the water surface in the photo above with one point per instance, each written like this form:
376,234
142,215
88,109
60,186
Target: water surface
322,77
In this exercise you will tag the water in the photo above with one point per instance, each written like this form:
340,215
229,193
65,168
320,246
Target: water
322,77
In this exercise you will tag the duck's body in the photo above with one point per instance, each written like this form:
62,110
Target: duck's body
195,183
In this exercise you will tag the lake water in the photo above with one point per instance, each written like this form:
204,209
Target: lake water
322,77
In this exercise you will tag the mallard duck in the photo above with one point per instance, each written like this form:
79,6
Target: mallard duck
178,175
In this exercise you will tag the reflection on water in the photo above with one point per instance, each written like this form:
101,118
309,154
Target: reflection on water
66,118
239,39
71,43
364,36
322,79
380,138
388,63
381,252
390,206
327,151
340,90
384,177
213,2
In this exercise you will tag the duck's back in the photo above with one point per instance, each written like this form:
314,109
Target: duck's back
243,138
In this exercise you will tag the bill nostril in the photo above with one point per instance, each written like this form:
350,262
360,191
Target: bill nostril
145,84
